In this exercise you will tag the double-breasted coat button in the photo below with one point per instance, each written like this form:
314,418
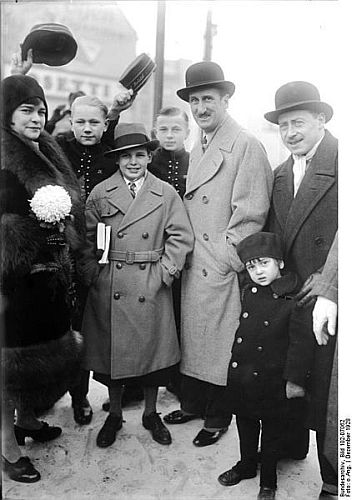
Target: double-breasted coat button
319,241
145,235
142,266
117,296
259,348
120,235
141,298
234,364
245,315
205,199
254,289
189,196
204,272
275,296
255,374
119,265
266,323
205,237
239,340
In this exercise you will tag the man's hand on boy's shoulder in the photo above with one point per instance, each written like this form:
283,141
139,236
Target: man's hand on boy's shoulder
122,100
294,391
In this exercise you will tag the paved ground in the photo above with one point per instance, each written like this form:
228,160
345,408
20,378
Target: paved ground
137,468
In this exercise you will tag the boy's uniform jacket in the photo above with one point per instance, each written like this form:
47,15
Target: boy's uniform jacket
171,167
274,343
129,321
227,198
40,351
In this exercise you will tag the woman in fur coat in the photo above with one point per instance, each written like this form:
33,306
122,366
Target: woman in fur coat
42,225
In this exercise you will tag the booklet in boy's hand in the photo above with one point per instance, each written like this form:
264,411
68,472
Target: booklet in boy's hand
103,241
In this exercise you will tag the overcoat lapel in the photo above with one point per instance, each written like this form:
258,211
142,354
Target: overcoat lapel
319,178
283,192
118,194
205,165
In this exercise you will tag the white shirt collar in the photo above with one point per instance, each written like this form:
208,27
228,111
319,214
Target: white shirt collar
139,182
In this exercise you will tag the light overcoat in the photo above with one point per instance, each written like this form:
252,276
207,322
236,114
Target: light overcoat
128,321
227,198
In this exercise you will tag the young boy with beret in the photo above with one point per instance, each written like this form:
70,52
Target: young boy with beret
271,357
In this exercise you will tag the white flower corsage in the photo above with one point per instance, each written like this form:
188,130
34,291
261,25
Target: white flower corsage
51,205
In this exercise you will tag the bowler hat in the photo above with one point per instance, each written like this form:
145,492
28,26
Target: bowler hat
298,95
260,245
205,74
131,135
52,44
138,72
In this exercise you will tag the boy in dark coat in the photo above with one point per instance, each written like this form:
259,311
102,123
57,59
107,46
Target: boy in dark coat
271,356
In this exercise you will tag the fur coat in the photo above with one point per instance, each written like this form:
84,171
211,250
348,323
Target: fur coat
40,351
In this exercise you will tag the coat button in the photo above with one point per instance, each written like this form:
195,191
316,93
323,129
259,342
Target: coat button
266,323
319,241
255,374
142,266
120,235
245,315
119,265
117,296
141,298
234,364
259,348
254,289
189,196
239,340
204,272
205,237
275,296
205,199
145,235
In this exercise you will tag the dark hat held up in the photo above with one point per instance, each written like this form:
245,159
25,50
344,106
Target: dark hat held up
258,245
205,74
298,95
131,135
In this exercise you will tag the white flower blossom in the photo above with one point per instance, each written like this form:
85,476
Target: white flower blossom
51,204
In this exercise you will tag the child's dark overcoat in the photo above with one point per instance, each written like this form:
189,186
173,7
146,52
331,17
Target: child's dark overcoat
274,343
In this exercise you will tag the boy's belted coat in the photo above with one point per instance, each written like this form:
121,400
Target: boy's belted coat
129,321
227,198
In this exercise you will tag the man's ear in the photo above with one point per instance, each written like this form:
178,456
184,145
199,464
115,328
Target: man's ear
322,119
281,264
225,99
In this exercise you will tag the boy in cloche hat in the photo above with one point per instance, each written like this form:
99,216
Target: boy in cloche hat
128,321
269,367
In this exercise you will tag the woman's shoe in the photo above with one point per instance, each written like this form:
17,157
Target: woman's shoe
21,471
45,433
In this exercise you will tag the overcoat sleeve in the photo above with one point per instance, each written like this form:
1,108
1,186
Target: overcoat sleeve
179,238
250,196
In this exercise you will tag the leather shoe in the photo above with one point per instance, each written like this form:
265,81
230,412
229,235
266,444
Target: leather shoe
45,433
160,433
266,493
21,471
206,438
234,476
107,434
178,417
82,412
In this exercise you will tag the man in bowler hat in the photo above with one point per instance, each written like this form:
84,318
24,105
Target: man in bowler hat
304,213
227,197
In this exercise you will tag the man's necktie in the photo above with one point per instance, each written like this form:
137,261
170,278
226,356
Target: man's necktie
204,143
132,188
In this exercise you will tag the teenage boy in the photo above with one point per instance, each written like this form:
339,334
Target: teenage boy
271,356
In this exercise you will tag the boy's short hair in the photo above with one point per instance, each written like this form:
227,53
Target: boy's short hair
173,111
73,95
88,100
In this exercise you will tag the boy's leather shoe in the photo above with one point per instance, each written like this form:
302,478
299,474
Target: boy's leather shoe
159,432
178,417
206,438
107,433
234,476
266,493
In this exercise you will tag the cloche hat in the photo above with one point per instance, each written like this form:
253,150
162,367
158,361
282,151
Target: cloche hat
52,44
298,95
205,74
131,135
258,245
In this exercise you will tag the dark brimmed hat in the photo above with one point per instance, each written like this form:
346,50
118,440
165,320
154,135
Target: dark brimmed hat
205,74
52,44
260,245
17,90
131,135
298,95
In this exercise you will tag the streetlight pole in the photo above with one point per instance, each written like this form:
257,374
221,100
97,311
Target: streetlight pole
159,59
210,31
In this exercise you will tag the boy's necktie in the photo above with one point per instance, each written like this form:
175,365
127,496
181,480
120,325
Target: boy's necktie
132,188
